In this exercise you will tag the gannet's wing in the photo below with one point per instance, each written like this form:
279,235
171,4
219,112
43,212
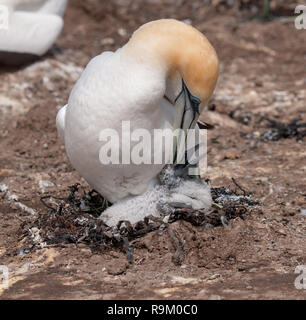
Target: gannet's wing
29,32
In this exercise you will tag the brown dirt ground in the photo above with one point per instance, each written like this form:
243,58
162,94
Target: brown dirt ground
262,74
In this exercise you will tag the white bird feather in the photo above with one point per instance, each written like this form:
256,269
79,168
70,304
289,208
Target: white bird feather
131,84
33,27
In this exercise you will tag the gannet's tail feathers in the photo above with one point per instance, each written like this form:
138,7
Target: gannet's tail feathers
60,122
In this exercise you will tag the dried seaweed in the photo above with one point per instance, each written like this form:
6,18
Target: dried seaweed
280,130
241,116
74,219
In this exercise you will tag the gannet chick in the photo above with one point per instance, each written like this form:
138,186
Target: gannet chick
32,28
161,79
172,192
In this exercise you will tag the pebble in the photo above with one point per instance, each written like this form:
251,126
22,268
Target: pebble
96,259
214,297
118,268
107,41
214,276
122,32
43,184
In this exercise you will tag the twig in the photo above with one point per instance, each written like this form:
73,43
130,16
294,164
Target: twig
237,185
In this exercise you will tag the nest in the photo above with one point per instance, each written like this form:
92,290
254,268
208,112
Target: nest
74,219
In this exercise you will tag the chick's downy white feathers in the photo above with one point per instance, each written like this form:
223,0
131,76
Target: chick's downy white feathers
172,192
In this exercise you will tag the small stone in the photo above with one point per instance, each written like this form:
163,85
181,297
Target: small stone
84,250
282,232
122,32
117,268
214,276
107,41
20,253
232,155
44,184
109,296
7,172
97,259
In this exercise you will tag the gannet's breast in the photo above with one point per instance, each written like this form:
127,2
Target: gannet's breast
112,90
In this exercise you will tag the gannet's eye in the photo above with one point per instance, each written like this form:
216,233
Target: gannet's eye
195,100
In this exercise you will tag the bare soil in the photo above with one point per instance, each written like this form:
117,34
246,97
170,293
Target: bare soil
262,75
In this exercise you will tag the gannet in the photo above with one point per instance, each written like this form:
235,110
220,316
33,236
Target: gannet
30,28
161,78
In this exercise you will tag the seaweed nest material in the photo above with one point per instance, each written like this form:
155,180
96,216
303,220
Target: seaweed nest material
74,219
280,130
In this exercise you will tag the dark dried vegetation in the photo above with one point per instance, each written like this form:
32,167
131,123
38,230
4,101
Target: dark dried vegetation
280,130
74,219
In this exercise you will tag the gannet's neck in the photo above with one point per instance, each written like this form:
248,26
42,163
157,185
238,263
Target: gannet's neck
181,50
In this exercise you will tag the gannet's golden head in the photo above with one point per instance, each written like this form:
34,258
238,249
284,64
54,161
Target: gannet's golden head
189,63
185,52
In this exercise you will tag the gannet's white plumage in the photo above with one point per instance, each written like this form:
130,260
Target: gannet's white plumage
33,26
139,82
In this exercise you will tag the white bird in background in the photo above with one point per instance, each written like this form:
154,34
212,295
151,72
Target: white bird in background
165,74
30,28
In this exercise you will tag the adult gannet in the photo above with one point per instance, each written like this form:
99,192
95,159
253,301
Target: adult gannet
29,29
162,78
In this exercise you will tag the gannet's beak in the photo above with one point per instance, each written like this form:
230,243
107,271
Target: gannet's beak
186,116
